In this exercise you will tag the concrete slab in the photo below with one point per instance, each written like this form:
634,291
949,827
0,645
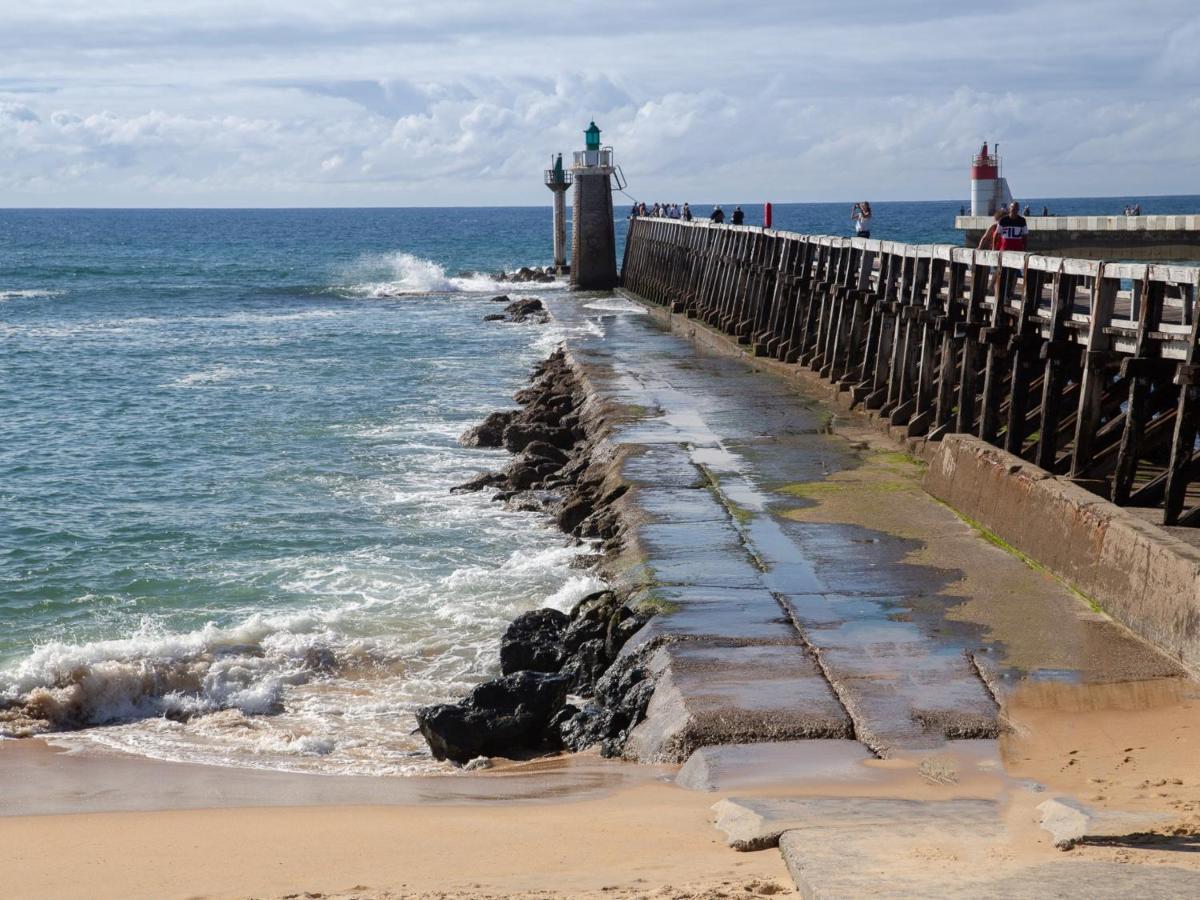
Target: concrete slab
755,823
903,690
682,540
1070,823
686,504
849,863
720,695
733,616
731,766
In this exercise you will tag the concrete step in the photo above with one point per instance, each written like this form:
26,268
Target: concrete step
755,823
958,859
741,766
718,694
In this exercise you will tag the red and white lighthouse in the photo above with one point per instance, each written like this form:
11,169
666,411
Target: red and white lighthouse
989,189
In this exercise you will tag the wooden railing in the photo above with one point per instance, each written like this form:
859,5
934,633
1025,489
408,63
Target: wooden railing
1089,369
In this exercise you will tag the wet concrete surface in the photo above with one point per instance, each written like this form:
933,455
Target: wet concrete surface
916,627
719,440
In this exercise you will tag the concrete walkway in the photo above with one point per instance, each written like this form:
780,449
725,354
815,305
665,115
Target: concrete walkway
816,604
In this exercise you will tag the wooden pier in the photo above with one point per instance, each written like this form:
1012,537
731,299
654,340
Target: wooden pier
1089,369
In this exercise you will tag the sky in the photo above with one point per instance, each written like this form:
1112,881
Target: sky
461,102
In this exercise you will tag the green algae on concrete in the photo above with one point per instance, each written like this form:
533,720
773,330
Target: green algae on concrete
996,541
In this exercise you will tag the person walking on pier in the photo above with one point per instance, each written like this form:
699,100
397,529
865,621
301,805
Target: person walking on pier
1012,229
860,215
738,216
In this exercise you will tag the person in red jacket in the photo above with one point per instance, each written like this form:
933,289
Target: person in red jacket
1012,230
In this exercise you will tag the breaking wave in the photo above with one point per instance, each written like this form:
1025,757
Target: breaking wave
177,676
328,690
381,276
30,294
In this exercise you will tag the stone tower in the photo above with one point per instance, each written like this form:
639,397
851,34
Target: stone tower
593,241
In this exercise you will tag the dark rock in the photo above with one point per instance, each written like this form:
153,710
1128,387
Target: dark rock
527,309
532,642
518,436
495,317
489,432
525,501
574,512
478,483
579,729
612,496
521,475
504,717
501,298
587,663
542,450
589,619
621,697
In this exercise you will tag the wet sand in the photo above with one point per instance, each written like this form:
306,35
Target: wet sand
571,827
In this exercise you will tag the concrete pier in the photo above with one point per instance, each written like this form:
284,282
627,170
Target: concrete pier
1149,238
1080,371
837,647
594,243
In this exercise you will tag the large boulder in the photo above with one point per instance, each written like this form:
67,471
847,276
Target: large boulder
528,309
489,432
508,716
619,704
520,435
479,482
533,642
543,451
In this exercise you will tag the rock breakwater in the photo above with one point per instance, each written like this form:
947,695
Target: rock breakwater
564,683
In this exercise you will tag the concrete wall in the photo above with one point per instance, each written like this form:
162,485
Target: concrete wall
1102,237
593,245
1136,572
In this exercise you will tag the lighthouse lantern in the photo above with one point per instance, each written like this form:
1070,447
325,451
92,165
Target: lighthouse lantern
593,137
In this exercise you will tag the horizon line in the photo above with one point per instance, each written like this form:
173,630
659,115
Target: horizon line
298,208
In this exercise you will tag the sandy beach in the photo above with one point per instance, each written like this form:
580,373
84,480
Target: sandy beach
542,831
574,826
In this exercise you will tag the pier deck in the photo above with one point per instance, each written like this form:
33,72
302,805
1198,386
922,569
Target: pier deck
818,610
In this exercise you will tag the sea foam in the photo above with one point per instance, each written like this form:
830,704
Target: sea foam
400,274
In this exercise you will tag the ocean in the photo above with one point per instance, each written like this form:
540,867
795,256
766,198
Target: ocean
227,440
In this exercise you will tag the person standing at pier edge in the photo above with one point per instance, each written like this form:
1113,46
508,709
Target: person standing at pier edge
738,216
860,215
717,216
687,213
1012,230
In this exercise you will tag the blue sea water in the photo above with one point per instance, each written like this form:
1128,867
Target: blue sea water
226,444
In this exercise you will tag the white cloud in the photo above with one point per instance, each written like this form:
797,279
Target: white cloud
461,102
